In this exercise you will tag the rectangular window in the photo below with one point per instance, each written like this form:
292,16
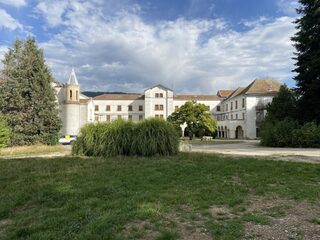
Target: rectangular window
243,116
140,108
156,116
231,106
161,116
236,116
231,116
236,104
161,107
243,103
218,109
108,108
130,108
130,117
140,117
119,108
227,107
96,107
96,118
176,108
108,118
119,116
157,95
161,95
156,107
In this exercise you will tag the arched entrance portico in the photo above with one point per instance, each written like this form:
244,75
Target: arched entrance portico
239,132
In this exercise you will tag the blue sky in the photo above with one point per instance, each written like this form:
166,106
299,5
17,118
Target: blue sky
194,46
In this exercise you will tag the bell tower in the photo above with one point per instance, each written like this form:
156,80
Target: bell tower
72,88
72,107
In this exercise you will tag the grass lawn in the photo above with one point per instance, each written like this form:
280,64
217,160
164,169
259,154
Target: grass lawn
189,196
33,150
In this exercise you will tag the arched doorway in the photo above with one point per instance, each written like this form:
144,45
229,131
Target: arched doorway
239,132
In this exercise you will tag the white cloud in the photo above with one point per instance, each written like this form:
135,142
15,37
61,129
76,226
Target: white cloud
122,52
288,7
15,3
52,11
7,21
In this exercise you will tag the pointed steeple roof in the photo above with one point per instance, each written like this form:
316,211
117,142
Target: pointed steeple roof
73,78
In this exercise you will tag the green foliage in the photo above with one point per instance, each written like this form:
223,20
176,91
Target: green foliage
155,136
4,133
282,106
197,117
307,43
146,138
27,98
288,133
307,136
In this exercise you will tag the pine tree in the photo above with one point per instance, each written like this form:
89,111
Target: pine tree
307,43
283,106
28,100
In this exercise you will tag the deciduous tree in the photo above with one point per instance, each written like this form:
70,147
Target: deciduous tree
197,118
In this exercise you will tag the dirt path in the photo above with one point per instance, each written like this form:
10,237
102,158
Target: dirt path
252,148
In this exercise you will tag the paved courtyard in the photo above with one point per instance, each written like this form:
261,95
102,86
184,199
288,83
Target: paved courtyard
252,148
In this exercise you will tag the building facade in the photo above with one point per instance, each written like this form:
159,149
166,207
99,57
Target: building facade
238,112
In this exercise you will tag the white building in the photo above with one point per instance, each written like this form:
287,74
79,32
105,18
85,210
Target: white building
242,112
236,111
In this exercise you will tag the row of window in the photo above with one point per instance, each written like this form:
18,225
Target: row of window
97,118
157,107
119,108
159,95
232,117
231,105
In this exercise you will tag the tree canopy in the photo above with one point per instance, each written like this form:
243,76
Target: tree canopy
307,43
197,118
282,106
27,98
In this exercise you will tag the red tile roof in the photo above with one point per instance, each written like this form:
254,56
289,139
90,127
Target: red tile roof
119,97
197,97
224,93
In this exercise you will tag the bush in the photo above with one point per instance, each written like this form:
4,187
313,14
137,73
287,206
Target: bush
288,133
146,138
307,136
4,133
155,136
278,134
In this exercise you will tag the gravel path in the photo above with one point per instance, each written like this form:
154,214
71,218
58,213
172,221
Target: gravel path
252,148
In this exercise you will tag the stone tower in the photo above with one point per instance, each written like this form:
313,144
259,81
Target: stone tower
72,110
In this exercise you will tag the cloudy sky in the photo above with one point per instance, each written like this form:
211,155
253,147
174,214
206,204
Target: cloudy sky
193,46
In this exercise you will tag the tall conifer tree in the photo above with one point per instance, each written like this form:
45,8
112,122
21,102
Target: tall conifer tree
307,43
28,100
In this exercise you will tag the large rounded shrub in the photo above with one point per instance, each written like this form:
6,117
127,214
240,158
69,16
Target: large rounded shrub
146,138
155,137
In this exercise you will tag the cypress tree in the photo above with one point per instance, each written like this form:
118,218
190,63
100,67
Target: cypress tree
28,100
307,43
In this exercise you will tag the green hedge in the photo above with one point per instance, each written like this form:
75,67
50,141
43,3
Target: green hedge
288,133
145,138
